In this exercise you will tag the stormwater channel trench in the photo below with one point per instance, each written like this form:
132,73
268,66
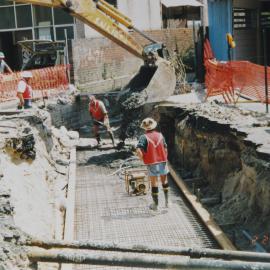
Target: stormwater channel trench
219,190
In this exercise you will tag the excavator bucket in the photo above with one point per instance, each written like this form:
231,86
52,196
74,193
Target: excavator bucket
154,83
162,85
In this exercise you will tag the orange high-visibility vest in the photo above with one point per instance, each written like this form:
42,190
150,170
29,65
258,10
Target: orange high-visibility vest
156,152
96,111
27,94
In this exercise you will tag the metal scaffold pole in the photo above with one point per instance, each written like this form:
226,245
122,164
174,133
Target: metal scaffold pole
265,68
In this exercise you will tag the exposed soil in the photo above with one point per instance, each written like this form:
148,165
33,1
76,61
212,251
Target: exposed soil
203,147
34,172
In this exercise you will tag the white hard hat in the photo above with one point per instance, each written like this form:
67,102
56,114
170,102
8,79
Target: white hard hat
27,74
2,55
148,124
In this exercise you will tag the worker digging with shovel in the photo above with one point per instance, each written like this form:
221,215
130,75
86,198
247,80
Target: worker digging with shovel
100,118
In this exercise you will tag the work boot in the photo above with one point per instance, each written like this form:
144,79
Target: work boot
154,205
166,194
98,141
112,138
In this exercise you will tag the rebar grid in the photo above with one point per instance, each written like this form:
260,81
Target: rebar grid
105,212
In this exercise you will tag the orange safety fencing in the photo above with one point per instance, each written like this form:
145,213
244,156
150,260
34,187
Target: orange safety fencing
46,82
234,79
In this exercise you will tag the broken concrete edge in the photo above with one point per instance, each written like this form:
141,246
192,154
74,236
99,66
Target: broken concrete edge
70,209
203,214
250,134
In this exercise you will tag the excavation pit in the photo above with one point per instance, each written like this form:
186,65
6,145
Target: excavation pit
221,163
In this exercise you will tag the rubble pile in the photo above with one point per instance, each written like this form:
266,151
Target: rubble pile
24,145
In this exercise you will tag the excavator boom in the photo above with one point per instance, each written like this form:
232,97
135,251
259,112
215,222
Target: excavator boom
99,15
157,77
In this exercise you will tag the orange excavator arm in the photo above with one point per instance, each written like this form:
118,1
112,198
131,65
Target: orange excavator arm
102,17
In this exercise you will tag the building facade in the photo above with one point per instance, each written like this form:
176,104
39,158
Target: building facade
25,21
29,22
246,20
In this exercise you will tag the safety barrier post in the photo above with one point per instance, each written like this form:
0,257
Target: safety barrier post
265,68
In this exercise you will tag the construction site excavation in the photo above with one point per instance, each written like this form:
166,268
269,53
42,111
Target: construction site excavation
134,147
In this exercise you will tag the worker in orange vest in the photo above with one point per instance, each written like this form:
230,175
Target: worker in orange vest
24,90
152,150
100,118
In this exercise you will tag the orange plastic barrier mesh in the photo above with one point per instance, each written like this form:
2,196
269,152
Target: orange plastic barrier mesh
46,82
235,78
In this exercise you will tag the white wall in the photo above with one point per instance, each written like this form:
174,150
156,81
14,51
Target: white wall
145,15
204,14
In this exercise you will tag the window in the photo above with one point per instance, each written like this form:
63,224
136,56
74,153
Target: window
24,16
42,16
112,2
5,3
244,18
44,33
7,18
43,22
23,35
60,32
62,17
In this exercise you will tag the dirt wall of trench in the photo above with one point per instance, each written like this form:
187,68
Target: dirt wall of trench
34,166
227,163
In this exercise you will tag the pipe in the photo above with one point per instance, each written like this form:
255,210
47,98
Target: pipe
258,247
265,68
143,34
129,260
191,252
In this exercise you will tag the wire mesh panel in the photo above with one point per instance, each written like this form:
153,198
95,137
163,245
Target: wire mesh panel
105,212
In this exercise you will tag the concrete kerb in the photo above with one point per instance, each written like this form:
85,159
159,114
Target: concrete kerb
70,208
203,214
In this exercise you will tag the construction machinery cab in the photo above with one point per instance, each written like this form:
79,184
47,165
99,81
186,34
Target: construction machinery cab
38,54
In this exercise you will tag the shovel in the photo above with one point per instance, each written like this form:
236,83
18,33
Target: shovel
102,124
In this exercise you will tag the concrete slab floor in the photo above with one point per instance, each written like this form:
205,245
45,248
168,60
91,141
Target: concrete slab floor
105,212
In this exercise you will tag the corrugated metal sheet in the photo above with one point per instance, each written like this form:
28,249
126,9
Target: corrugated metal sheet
220,23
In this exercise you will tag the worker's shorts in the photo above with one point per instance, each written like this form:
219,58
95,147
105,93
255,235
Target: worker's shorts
158,169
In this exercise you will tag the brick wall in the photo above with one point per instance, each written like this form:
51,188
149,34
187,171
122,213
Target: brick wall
101,65
75,115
